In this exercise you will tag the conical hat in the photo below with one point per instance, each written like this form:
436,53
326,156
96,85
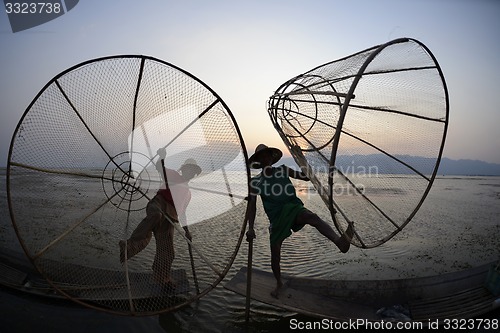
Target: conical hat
261,149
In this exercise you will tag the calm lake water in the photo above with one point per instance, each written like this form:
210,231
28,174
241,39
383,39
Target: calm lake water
457,227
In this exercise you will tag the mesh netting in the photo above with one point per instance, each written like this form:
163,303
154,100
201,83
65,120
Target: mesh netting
85,162
369,131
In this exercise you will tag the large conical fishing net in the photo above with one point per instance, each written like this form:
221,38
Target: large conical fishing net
85,161
369,131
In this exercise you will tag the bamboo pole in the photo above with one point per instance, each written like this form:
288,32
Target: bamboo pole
188,236
249,219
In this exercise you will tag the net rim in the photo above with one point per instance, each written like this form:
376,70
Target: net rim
10,164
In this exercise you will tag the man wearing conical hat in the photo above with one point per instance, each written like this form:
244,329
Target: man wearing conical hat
285,210
167,206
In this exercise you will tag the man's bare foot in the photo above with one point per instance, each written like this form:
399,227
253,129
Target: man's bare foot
166,281
345,240
275,292
169,284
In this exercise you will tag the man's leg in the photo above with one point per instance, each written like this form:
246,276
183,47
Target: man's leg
275,266
165,253
142,234
342,242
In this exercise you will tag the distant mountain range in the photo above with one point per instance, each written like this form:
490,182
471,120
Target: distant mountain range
468,168
358,163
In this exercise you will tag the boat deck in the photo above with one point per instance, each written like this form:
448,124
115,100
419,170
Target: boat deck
452,295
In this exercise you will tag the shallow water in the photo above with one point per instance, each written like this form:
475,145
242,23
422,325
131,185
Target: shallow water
457,227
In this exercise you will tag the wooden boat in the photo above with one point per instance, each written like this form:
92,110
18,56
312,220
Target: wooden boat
452,295
17,272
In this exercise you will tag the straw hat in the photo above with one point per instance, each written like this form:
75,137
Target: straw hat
191,164
261,149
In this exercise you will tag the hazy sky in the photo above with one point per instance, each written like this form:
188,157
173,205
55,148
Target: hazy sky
245,50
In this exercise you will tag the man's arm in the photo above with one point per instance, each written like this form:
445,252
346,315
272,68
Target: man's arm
296,174
182,219
160,165
250,215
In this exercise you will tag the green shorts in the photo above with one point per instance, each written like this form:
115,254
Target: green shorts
283,226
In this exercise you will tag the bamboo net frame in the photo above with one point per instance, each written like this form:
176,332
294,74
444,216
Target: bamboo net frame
369,131
82,168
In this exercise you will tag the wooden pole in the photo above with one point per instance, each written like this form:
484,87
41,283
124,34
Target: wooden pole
188,236
249,219
249,280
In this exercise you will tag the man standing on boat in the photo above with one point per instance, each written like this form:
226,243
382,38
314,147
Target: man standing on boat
166,207
285,210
